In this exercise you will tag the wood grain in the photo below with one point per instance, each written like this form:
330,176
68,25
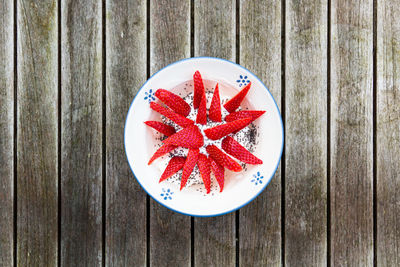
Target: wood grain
388,133
260,52
214,35
81,133
6,132
169,41
306,133
37,133
351,133
125,73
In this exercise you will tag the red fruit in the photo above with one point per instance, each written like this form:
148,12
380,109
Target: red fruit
202,111
254,114
220,131
204,167
174,165
173,101
164,149
235,102
175,117
215,109
236,150
190,162
218,171
222,159
198,89
161,127
189,137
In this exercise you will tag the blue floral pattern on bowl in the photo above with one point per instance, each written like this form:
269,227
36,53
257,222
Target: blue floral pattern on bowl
149,96
243,80
257,178
167,193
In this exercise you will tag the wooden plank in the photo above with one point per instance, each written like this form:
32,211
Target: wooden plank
388,133
260,51
125,73
6,132
351,133
214,35
81,133
169,41
306,133
37,139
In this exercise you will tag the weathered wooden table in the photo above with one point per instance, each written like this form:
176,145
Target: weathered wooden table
69,70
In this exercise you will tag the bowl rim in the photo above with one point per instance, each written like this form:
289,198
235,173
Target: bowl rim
280,118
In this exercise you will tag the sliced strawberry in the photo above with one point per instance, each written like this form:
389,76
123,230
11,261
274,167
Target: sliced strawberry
204,166
189,137
175,117
198,89
174,165
190,162
222,159
164,149
173,101
161,127
235,102
254,114
220,131
202,111
215,109
218,171
236,150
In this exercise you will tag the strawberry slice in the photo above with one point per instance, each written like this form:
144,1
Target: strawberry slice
161,127
215,109
254,114
235,102
175,117
236,150
173,101
174,165
189,137
222,159
218,171
202,111
190,162
204,166
220,131
198,89
164,149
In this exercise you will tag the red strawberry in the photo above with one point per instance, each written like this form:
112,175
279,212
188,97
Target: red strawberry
173,101
202,111
190,162
254,114
220,131
204,166
234,103
175,117
236,150
215,109
189,137
174,165
218,171
198,89
164,149
161,127
222,159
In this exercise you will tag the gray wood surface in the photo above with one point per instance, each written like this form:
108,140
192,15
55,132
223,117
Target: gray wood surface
81,133
169,41
260,51
388,133
125,73
6,132
215,35
37,133
351,133
306,133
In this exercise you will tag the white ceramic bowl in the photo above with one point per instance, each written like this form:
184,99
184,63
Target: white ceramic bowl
240,188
